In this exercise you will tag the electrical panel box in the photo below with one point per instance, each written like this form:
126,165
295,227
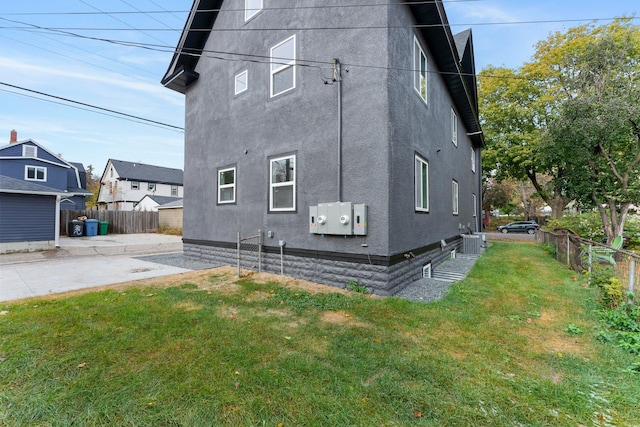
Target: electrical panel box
339,218
360,219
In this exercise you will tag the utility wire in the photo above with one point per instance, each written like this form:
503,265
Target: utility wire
92,106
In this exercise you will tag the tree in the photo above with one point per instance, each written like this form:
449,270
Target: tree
93,185
518,106
595,135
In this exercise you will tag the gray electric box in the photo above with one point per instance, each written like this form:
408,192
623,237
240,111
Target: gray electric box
339,218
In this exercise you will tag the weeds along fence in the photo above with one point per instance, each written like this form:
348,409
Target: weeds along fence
577,252
120,222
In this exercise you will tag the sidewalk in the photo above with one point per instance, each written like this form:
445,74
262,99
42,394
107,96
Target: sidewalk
83,262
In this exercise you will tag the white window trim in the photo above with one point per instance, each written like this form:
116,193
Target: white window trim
36,168
250,13
426,271
177,191
274,185
26,147
417,66
225,186
454,127
455,198
151,186
135,185
419,161
282,64
475,205
473,160
246,82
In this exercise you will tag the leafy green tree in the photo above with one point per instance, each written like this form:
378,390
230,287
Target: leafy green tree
595,136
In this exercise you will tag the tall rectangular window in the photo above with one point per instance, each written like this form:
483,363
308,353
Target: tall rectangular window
174,191
454,127
475,206
282,66
421,184
454,191
282,195
251,8
35,173
420,69
242,82
473,160
227,185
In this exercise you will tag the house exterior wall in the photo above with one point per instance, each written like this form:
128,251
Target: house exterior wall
27,222
56,175
170,217
385,124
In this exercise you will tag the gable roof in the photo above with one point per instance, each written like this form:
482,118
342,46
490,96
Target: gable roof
453,55
19,186
134,171
161,200
175,204
60,161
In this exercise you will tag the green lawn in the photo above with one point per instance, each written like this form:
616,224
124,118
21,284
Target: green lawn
214,352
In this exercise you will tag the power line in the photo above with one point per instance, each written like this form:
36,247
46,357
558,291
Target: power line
92,106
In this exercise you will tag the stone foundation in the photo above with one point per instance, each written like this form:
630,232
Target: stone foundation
378,279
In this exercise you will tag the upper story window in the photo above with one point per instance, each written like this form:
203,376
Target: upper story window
151,186
454,127
174,191
227,185
454,191
421,184
420,69
282,69
29,151
252,8
282,184
35,173
475,205
473,160
242,82
135,185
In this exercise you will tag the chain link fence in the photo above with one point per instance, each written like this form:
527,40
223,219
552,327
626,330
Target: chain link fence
249,253
578,253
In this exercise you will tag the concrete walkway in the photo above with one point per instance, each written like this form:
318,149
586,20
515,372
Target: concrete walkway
83,262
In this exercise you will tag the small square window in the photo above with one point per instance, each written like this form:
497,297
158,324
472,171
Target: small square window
227,185
282,194
135,185
242,82
151,186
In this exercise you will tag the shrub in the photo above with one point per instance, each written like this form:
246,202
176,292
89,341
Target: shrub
612,292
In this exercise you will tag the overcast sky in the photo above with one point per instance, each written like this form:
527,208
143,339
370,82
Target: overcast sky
126,79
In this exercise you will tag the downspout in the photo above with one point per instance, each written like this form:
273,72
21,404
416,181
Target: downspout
56,238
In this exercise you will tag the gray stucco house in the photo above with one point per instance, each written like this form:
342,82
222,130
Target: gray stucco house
346,131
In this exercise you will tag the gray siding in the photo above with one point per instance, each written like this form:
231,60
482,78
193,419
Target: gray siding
26,218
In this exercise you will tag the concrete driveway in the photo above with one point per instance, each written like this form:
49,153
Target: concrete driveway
83,262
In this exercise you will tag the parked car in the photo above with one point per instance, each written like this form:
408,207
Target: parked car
520,226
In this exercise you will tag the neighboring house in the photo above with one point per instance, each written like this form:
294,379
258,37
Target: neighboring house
151,202
125,184
170,214
35,185
367,171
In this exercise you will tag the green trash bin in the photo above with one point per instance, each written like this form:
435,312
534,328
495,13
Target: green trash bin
103,227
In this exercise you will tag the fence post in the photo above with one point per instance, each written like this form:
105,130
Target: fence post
568,249
632,279
589,268
238,253
259,251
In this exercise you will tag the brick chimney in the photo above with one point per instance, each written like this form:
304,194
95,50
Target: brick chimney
14,137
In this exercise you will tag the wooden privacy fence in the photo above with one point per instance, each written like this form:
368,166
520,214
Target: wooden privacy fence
120,222
577,253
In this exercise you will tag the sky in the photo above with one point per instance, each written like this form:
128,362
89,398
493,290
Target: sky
89,51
